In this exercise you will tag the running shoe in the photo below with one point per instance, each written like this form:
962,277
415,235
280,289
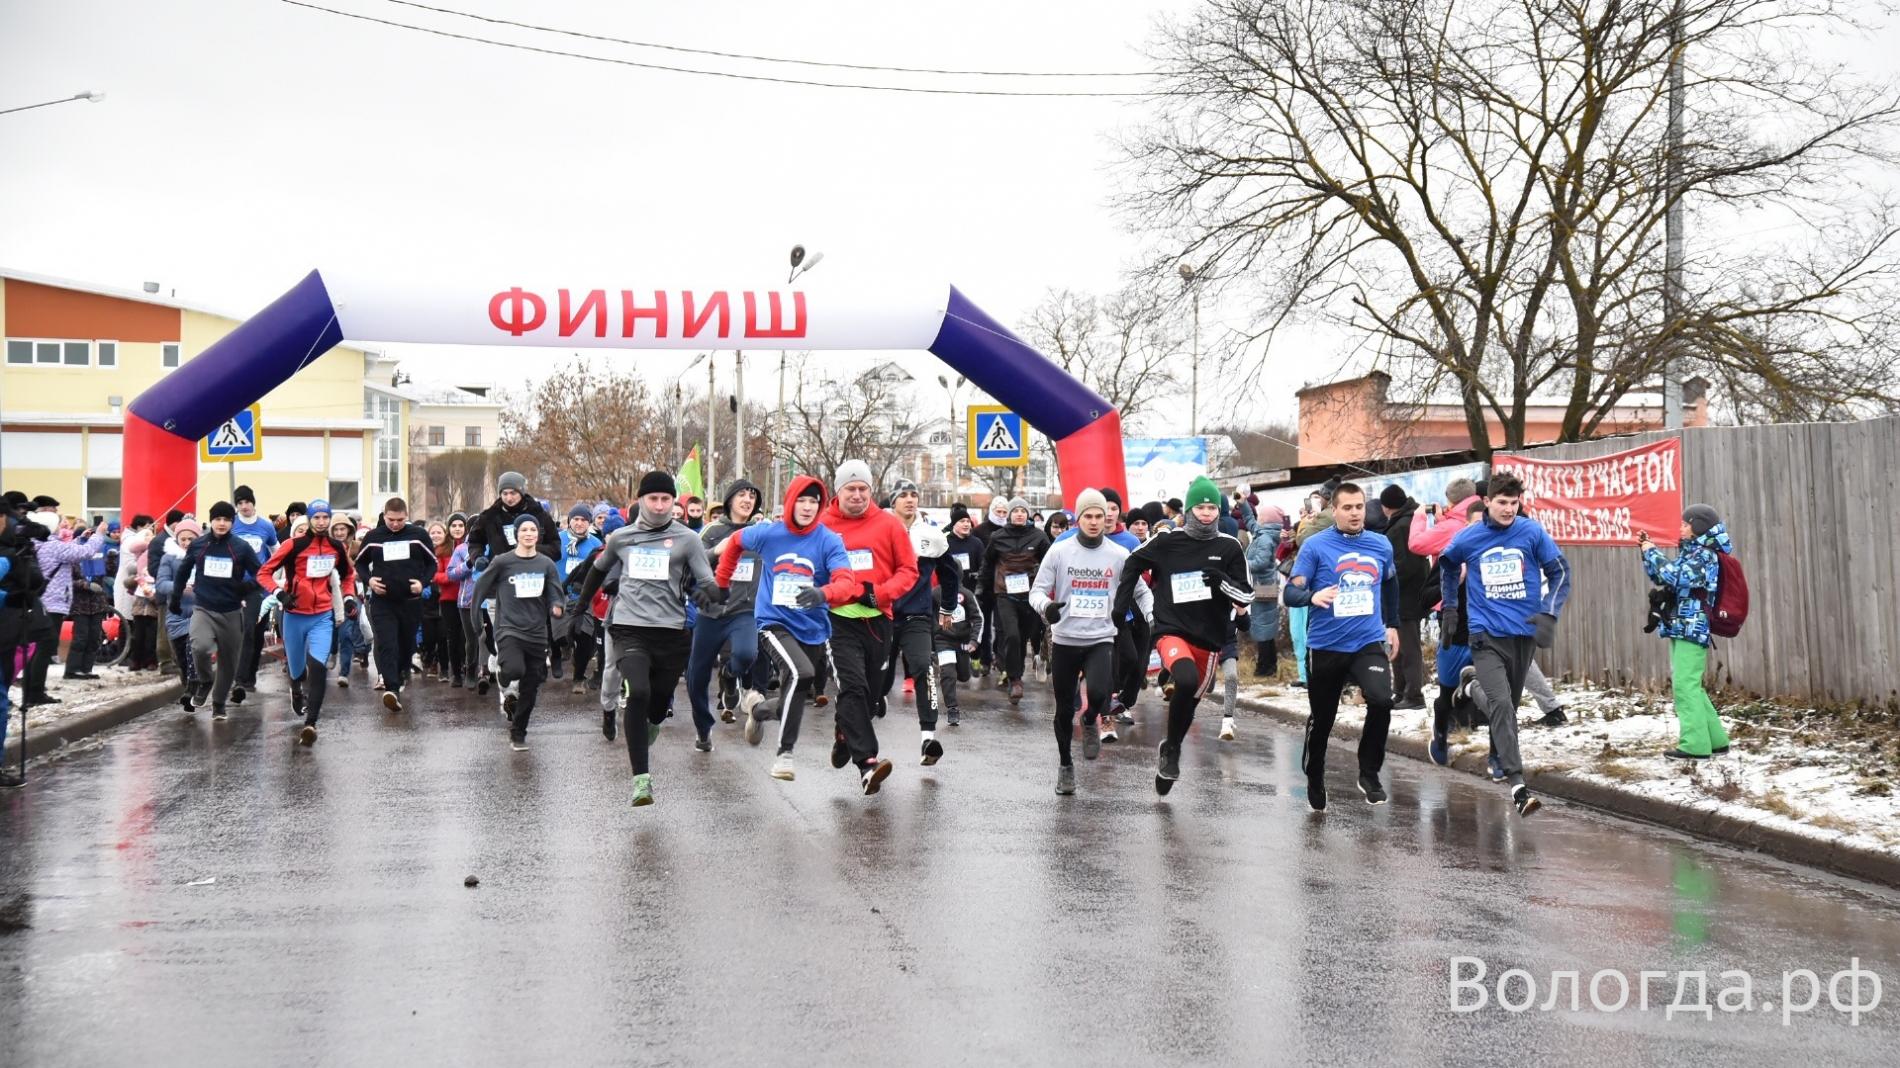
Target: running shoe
933,752
749,699
509,698
1495,769
1524,802
518,742
642,790
952,715
391,701
840,752
344,682
481,686
1015,691
782,767
237,695
1168,766
1092,740
703,743
1065,780
1554,718
1466,676
1108,733
1227,729
1370,786
1440,749
755,730
1316,793
875,775
217,712
308,736
608,729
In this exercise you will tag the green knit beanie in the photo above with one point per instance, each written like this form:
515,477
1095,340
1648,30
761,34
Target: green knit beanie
1202,491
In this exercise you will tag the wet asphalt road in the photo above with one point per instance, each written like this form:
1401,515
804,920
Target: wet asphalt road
965,915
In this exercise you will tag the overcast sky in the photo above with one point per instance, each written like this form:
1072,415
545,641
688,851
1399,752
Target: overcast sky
243,142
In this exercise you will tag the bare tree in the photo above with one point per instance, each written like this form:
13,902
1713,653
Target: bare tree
1130,346
584,433
834,417
1263,447
1480,190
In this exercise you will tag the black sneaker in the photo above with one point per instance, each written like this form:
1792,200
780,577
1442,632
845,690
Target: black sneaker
1525,803
1316,793
11,780
217,712
237,695
703,743
933,751
308,735
1091,741
608,728
518,741
952,716
555,670
1169,764
1375,793
1466,676
875,775
1554,718
482,684
840,753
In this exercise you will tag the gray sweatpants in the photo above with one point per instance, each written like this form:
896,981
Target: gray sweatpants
610,696
223,633
1536,683
1503,664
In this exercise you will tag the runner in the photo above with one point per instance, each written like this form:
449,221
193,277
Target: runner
397,561
578,542
885,566
492,533
225,570
316,569
1074,588
957,638
1508,622
731,623
1200,581
178,624
258,532
1347,581
1009,568
526,586
657,555
917,615
807,566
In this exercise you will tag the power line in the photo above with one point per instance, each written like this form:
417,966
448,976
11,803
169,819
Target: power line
766,59
708,73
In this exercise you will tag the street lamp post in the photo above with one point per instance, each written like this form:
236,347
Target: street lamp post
89,95
801,263
1189,276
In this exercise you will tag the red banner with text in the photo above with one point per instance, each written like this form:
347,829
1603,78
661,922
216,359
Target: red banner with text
1607,500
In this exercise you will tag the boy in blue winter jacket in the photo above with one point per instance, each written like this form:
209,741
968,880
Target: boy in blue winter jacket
803,560
1508,613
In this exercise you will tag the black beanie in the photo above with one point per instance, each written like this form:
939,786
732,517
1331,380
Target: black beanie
242,495
223,510
657,482
295,508
1393,496
1112,496
813,489
958,512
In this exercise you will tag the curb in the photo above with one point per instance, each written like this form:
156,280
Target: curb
1837,857
71,729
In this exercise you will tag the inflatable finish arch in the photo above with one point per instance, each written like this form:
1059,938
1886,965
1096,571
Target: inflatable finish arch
163,424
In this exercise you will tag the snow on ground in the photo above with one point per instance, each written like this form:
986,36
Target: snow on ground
79,696
1824,773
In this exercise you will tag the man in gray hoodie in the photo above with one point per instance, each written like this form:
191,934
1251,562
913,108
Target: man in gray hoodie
647,620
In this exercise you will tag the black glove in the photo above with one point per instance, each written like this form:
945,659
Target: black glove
810,597
1052,612
478,565
709,596
1124,606
1213,576
1447,626
1546,625
869,598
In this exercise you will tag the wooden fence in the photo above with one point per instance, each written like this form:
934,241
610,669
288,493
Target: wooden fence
1812,509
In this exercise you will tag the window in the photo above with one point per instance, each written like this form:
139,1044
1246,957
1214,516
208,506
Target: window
19,351
344,496
59,352
108,354
472,437
102,498
78,353
438,436
387,411
46,352
169,354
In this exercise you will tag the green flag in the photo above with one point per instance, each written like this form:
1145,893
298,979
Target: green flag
689,479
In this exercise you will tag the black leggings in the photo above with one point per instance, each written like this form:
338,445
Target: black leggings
1131,659
651,661
181,656
1327,673
1096,665
524,662
1016,627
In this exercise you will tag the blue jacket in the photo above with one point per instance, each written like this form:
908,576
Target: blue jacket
1503,565
258,533
1693,574
574,550
459,571
1262,568
817,555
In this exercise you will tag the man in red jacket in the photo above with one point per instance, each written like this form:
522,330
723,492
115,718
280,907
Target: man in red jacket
886,566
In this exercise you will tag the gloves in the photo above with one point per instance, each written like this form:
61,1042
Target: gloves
1447,626
869,598
478,565
811,597
1213,576
269,605
1123,606
709,596
1546,625
1052,612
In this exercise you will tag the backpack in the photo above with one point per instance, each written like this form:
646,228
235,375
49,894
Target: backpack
1730,609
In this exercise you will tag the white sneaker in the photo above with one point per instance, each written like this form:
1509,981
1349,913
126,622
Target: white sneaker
1108,731
782,768
748,700
1227,729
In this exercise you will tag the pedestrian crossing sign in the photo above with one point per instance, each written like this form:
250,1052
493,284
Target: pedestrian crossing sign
994,436
237,439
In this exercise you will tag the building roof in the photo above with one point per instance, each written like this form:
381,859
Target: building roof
110,291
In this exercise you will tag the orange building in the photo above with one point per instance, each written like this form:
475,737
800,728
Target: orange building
1354,420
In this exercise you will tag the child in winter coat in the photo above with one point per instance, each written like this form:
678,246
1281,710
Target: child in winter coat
349,638
954,642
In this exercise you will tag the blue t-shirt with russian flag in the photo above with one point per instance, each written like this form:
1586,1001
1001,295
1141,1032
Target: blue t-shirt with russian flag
1360,565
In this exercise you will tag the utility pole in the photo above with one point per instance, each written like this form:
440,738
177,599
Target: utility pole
1672,229
738,414
1191,278
712,435
778,434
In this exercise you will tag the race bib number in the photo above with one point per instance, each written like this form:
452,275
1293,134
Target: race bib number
318,567
1189,587
646,563
947,657
509,533
256,543
395,551
958,615
528,587
962,559
1016,583
861,560
1088,605
1500,572
217,567
743,573
785,589
1353,603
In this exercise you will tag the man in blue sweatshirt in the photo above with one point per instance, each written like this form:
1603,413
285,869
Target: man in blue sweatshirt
261,535
222,570
1346,578
1510,613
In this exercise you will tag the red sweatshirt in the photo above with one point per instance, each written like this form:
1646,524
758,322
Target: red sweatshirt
310,580
881,554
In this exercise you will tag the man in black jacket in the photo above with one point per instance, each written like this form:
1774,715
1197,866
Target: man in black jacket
492,533
397,560
1414,570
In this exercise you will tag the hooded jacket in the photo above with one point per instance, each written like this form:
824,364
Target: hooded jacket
56,558
318,559
1013,550
743,590
1694,574
1502,591
793,557
493,532
398,557
966,552
880,552
1428,538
